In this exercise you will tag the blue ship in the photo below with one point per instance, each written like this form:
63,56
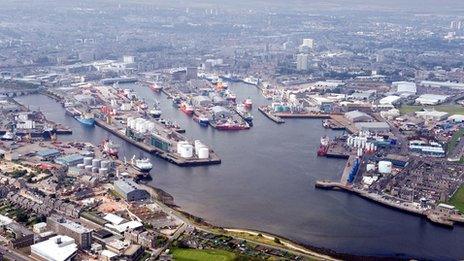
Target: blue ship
87,120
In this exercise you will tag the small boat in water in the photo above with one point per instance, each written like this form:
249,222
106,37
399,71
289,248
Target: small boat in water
141,164
324,146
186,108
248,103
86,119
202,120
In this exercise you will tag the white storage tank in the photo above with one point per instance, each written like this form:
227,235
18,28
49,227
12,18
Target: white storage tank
103,171
96,163
203,153
88,168
370,167
186,151
94,170
180,144
81,166
385,167
88,161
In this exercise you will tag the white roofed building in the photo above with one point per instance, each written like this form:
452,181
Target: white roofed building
58,248
405,87
431,99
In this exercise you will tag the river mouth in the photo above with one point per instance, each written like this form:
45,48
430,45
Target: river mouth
266,183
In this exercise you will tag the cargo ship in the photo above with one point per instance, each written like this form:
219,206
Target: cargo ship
110,148
324,147
142,164
86,119
248,103
186,108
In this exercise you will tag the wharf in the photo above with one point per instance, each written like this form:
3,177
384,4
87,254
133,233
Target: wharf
308,115
170,157
340,122
271,116
337,150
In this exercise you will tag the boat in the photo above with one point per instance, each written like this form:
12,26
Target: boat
176,101
230,77
186,108
251,80
155,112
245,114
248,103
86,119
110,148
8,136
141,164
202,120
154,87
228,125
324,146
230,96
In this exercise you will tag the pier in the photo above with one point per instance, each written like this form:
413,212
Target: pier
170,157
271,116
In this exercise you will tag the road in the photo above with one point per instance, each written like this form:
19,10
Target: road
13,255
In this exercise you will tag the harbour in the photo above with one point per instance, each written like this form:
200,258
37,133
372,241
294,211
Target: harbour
284,189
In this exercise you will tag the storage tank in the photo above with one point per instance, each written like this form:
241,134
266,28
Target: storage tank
385,167
180,144
81,166
88,168
370,167
88,161
96,163
94,170
186,151
105,164
203,153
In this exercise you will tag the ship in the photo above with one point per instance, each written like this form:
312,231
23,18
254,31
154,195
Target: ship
230,77
154,87
248,103
186,108
155,112
8,136
231,126
324,146
110,148
251,80
176,101
202,120
86,119
141,164
245,114
230,96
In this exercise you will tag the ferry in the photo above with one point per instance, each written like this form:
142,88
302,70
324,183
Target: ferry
248,103
324,146
142,164
231,77
110,148
186,108
87,119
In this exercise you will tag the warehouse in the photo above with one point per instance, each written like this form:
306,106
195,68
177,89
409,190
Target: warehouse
390,100
220,112
432,115
70,160
130,190
374,127
431,99
201,101
405,87
357,116
48,154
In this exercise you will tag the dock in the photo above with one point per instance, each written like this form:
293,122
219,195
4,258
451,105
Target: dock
306,115
271,116
168,156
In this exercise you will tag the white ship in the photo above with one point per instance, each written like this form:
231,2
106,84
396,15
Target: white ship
143,165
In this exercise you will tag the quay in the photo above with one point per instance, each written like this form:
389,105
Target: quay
170,157
308,115
271,116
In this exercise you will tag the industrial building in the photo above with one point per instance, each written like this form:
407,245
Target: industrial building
48,154
431,115
431,99
390,100
82,235
220,112
375,127
302,62
452,85
357,116
58,248
405,87
130,190
70,160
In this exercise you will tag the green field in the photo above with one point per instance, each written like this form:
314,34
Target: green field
457,199
202,255
451,109
454,140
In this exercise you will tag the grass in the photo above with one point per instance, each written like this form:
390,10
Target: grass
451,109
202,255
453,142
457,199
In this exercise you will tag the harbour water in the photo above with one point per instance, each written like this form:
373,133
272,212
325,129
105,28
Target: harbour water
266,182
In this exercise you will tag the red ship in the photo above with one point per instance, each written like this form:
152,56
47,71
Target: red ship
324,147
248,103
231,126
110,148
186,108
